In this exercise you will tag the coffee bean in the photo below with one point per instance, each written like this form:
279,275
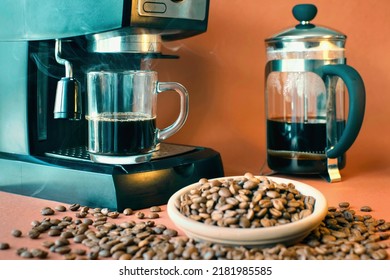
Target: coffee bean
153,215
344,204
113,214
74,207
127,211
62,250
104,211
140,215
4,246
47,243
250,185
265,203
104,253
366,209
40,254
60,208
278,204
304,213
79,252
47,211
155,209
79,238
33,234
224,192
275,213
293,204
54,232
244,222
61,242
26,254
267,222
16,232
70,256
125,256
88,221
170,232
81,214
273,194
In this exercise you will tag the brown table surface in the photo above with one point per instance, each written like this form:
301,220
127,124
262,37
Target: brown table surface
17,212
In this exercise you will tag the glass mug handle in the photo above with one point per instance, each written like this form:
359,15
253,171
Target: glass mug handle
181,119
357,100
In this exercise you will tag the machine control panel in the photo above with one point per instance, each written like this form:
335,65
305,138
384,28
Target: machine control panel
185,9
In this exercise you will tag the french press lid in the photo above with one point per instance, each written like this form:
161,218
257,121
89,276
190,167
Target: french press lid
305,33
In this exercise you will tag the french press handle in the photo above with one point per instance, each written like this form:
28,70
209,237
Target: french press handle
357,101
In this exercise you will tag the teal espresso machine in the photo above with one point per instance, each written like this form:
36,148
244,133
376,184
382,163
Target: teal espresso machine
46,48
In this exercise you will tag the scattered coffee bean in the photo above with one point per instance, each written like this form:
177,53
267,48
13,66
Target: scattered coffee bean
26,254
81,214
54,232
92,255
79,252
60,208
170,232
79,238
61,242
67,234
47,211
62,250
40,254
113,214
33,234
153,215
140,215
125,257
47,243
344,204
74,207
70,256
366,209
105,211
4,246
127,211
155,209
16,232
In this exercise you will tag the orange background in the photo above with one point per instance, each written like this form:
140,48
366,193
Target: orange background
223,70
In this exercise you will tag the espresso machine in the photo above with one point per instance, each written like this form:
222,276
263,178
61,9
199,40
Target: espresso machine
46,49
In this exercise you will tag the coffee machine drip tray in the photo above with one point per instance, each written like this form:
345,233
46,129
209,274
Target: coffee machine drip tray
80,153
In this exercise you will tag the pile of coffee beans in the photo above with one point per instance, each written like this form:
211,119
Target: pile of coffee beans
245,202
78,232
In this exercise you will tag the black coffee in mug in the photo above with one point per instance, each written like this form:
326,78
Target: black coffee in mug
121,114
128,133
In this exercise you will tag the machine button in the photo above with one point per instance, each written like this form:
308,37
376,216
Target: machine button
153,7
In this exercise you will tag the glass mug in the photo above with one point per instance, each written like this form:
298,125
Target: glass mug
121,115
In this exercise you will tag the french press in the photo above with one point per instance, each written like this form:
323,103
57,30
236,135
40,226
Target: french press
305,80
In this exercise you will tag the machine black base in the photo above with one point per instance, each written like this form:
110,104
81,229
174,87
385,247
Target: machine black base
107,186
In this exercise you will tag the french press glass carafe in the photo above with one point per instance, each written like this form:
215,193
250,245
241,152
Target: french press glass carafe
306,76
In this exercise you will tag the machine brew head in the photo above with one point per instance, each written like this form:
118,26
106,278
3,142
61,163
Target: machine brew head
126,40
